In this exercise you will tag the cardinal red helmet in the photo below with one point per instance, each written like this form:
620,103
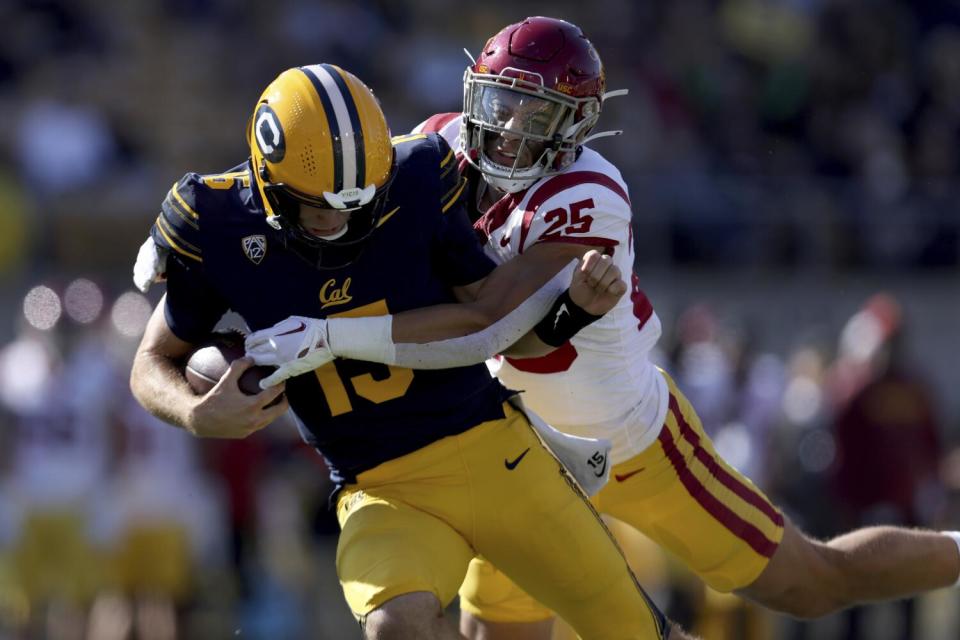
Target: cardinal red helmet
529,101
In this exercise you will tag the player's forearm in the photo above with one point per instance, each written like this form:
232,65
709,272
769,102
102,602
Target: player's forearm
156,379
564,320
441,322
529,346
374,339
160,387
480,305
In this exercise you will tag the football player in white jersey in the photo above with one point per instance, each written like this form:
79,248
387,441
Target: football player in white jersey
60,404
531,99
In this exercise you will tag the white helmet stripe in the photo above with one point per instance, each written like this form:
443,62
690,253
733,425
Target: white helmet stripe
347,134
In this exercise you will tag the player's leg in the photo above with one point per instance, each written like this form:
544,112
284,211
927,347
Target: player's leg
793,573
550,541
492,607
398,565
682,495
685,497
477,628
412,615
808,578
154,559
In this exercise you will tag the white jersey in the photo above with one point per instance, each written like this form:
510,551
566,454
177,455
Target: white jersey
601,383
60,448
159,479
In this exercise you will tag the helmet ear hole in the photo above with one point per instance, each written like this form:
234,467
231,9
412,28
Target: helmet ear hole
284,205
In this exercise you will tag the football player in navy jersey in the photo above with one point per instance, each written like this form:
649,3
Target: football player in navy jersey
434,466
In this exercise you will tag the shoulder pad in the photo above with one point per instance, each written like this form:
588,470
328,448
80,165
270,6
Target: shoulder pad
221,181
426,161
411,146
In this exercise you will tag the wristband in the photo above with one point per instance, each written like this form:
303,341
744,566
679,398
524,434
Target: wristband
564,320
368,338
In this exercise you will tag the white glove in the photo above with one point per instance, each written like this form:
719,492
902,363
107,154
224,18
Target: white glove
151,265
295,346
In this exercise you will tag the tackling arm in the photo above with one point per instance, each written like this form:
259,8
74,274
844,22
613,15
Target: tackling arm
595,287
443,336
514,299
483,303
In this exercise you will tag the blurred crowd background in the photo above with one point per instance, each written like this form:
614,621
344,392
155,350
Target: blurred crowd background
792,166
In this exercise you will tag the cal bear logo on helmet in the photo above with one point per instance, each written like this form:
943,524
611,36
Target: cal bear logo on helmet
269,135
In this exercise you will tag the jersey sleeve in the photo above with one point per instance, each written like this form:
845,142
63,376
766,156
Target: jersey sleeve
193,306
459,255
446,124
579,208
177,228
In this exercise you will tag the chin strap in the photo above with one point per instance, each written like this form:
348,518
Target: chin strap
616,93
602,134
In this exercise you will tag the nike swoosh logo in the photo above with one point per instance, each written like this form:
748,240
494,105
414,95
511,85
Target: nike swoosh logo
294,330
621,478
562,310
603,469
387,217
512,465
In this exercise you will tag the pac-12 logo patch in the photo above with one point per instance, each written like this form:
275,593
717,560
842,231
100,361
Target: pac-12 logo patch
269,134
255,248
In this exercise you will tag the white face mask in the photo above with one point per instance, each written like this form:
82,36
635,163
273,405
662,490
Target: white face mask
495,173
513,128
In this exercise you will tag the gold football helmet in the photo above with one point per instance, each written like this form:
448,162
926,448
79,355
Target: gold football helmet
318,137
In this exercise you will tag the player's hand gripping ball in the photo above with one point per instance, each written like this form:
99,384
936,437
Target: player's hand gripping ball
210,361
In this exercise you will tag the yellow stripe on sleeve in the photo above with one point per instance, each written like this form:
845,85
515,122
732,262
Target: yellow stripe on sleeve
444,162
183,202
407,138
173,204
387,217
456,196
169,237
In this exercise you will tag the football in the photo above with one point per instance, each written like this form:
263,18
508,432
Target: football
210,361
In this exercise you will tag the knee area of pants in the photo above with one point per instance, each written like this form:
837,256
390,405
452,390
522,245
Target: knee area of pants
383,625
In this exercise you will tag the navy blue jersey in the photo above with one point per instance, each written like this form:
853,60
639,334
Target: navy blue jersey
357,414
